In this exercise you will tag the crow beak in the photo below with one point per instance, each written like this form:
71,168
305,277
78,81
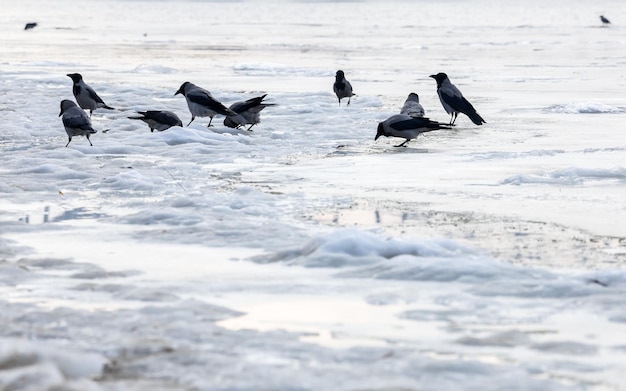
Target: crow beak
380,131
433,76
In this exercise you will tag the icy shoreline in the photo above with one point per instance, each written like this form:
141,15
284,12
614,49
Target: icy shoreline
155,319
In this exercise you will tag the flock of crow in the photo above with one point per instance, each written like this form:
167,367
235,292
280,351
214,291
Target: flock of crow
200,102
408,124
411,121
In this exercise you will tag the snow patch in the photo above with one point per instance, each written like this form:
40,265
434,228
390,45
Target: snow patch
276,69
584,108
26,365
571,176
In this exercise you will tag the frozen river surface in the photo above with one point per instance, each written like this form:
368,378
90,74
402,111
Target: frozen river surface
304,255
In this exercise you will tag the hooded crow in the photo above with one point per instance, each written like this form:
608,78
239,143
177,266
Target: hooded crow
407,127
75,121
604,20
342,87
85,96
412,106
159,119
453,101
201,103
248,112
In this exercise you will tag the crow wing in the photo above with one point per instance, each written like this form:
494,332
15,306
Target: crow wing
94,96
204,99
417,123
77,120
240,107
457,102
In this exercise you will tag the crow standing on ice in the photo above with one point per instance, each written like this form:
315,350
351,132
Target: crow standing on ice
75,121
453,101
412,106
248,112
201,103
406,127
159,119
342,87
604,20
86,96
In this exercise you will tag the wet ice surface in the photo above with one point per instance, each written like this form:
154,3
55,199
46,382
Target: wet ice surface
304,255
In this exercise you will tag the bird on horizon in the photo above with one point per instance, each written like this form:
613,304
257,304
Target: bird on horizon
412,106
407,127
248,112
201,103
159,119
453,101
342,87
75,121
30,25
85,96
604,20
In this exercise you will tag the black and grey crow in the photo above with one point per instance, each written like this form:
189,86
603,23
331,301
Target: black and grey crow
412,106
342,87
85,96
406,127
453,101
159,119
201,103
248,112
75,121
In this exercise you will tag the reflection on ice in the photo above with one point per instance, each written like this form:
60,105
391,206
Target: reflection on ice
75,214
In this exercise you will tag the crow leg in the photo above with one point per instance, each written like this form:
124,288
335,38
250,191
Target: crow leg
403,144
192,118
454,115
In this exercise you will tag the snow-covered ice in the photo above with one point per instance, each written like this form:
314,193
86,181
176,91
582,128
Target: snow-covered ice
304,255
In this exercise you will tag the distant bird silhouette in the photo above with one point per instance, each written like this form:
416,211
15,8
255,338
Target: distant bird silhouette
30,26
86,96
453,101
248,112
406,127
342,87
159,119
75,121
201,103
604,20
412,106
